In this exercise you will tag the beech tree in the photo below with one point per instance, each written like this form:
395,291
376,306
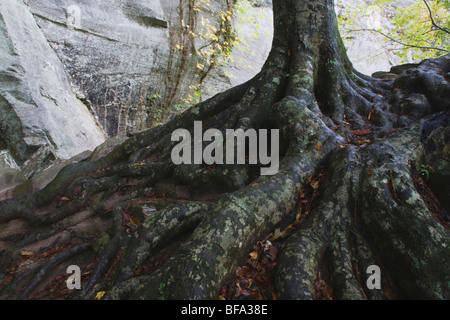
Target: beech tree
362,181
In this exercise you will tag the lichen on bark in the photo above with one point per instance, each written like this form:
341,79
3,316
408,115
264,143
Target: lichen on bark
181,232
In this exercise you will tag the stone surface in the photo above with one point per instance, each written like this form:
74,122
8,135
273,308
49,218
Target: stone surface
115,53
245,63
38,108
120,54
10,176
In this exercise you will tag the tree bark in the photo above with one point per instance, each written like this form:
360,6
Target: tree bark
373,153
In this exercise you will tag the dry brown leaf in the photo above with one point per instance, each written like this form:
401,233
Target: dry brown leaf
99,295
253,255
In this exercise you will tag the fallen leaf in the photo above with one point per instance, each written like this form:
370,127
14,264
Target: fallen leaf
244,283
253,255
135,221
59,277
302,193
139,164
26,253
273,252
255,185
315,184
64,199
369,171
99,295
362,132
361,142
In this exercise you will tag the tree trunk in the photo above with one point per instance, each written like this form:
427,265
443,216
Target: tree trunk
363,180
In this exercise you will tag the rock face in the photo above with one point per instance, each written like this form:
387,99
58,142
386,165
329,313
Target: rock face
120,55
124,57
10,176
114,52
39,113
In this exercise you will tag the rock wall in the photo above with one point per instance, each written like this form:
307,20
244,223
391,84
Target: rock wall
120,55
40,116
115,52
123,57
188,25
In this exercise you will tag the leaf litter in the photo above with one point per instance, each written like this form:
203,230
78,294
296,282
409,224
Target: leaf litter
253,280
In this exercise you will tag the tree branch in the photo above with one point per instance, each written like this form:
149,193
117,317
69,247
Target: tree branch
399,42
432,19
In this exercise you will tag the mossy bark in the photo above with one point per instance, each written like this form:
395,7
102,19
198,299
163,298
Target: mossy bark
179,232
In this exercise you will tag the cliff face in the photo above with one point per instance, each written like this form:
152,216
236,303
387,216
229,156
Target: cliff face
113,51
124,57
40,116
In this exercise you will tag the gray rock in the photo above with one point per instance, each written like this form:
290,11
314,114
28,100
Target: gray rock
120,53
245,63
38,109
40,179
106,147
10,174
116,53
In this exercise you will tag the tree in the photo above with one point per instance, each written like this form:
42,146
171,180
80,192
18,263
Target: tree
363,180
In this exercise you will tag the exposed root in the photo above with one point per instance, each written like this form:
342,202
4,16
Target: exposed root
366,211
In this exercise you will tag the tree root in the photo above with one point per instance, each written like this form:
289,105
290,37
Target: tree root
365,132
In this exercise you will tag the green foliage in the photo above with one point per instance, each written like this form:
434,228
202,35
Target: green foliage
422,29
414,27
216,36
153,108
